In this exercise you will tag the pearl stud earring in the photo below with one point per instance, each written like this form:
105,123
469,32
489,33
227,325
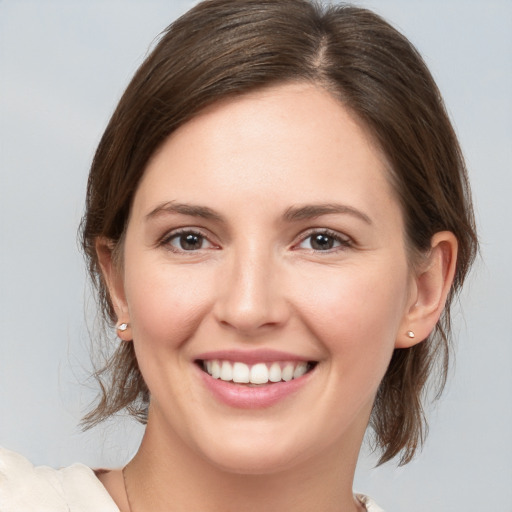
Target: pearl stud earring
410,334
122,327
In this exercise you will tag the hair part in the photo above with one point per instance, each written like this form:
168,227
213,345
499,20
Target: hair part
222,48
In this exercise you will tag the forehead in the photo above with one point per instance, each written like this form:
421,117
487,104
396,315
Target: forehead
292,142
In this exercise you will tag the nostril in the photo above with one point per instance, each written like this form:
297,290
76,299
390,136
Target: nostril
251,303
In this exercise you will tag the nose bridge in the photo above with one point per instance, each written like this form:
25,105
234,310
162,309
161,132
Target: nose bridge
251,296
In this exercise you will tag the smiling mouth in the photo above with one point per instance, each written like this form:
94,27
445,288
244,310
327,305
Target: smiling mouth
255,374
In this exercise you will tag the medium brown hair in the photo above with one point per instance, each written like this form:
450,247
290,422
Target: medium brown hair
228,47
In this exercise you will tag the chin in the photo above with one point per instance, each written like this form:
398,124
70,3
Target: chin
256,453
252,462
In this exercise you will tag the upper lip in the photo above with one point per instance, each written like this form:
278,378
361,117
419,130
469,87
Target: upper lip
251,356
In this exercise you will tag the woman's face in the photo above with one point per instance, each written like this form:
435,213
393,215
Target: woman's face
265,241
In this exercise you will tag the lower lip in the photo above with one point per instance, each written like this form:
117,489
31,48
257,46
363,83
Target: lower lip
252,397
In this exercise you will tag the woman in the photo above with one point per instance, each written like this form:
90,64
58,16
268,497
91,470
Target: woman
277,220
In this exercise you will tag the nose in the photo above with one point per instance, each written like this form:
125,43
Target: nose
251,298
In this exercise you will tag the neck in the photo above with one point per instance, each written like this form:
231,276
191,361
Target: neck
166,473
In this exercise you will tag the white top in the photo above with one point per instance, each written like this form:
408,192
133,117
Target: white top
27,488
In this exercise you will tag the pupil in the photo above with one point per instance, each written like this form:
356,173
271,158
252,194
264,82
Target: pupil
190,241
322,242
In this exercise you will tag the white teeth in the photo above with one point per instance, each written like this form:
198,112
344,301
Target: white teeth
259,373
300,370
240,373
226,371
274,374
287,373
215,373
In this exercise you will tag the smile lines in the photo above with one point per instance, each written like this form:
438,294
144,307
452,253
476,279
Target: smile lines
259,373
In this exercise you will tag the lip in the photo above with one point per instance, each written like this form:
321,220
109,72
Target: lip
251,356
243,396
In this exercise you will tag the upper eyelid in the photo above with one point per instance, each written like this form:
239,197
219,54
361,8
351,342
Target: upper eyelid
326,231
178,231
345,241
342,237
170,234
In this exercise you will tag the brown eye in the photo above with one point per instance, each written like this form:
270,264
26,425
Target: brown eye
188,241
323,241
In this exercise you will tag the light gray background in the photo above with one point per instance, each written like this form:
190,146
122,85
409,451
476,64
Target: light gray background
63,66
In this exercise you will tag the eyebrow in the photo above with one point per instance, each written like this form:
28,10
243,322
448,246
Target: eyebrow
294,213
171,207
312,211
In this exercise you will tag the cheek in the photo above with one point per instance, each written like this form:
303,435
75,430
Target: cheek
356,310
165,304
355,315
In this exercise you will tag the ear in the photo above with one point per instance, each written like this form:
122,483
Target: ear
431,285
111,270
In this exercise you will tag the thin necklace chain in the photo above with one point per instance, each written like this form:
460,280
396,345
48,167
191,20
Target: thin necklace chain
130,509
126,489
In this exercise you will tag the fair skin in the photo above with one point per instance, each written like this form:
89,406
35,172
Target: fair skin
265,231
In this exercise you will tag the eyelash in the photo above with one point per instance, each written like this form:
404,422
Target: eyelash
168,238
342,241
